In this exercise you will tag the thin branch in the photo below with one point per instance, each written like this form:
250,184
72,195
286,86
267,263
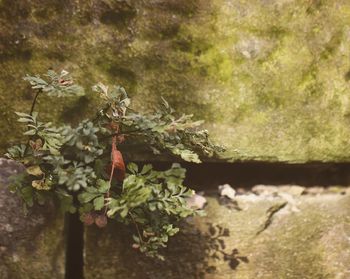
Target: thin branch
34,102
112,171
101,113
137,227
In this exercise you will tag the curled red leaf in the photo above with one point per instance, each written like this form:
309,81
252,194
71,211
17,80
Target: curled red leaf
117,162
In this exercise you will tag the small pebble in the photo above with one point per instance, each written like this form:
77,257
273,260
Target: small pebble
227,191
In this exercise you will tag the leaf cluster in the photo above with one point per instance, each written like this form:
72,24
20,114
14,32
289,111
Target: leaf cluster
163,131
56,84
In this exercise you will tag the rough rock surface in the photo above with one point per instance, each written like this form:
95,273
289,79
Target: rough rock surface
31,246
282,235
270,77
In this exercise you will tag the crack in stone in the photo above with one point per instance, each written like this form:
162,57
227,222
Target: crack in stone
270,213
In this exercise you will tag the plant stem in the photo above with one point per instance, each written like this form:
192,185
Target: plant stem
107,195
137,227
101,113
31,114
114,142
34,102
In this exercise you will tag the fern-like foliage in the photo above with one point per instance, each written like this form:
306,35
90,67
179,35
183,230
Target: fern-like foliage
83,169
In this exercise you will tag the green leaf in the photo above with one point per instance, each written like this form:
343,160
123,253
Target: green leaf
86,197
103,186
30,133
133,168
22,114
124,212
146,168
99,203
187,155
66,201
24,120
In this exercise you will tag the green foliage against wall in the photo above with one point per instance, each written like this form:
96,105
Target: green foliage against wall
269,77
83,170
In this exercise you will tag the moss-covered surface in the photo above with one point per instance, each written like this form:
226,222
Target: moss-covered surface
269,77
305,238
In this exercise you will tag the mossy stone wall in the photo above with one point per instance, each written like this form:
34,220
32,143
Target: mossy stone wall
271,78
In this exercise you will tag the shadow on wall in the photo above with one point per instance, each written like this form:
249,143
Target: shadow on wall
198,252
190,254
215,247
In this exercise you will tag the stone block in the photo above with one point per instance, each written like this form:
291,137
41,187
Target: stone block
252,236
32,246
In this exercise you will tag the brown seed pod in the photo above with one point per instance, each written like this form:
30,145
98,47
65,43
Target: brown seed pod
101,221
88,219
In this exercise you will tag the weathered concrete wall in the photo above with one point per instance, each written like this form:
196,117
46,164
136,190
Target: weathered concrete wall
278,234
31,246
269,77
